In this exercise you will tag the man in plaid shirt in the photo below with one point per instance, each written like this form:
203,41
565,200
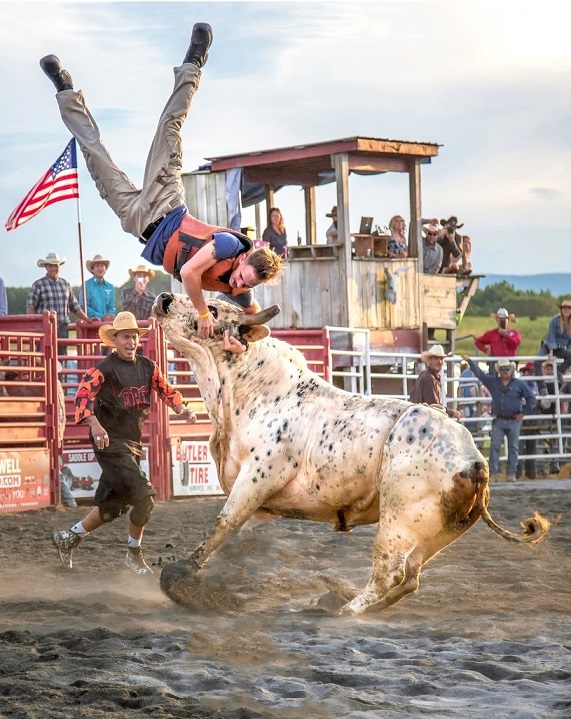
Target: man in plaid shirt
52,292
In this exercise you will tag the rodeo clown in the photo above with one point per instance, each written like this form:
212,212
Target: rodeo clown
114,399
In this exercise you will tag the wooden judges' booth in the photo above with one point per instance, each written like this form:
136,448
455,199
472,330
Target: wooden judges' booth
352,283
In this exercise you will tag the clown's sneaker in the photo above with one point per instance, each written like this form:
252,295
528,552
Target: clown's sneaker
135,560
65,542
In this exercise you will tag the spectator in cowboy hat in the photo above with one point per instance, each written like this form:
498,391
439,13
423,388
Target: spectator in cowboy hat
512,399
114,400
428,387
451,243
138,299
99,294
54,293
432,256
502,341
332,234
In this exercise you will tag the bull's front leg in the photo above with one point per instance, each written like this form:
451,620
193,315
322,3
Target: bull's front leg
246,496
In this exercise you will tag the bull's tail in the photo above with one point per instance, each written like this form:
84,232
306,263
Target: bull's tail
534,529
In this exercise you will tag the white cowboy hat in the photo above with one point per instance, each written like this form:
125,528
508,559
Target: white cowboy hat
123,321
142,268
430,228
434,351
97,258
505,363
51,259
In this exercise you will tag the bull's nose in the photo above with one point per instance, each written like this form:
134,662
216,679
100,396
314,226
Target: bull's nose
164,301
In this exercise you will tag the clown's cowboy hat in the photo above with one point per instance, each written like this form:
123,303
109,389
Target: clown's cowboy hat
142,269
51,259
434,351
97,259
123,321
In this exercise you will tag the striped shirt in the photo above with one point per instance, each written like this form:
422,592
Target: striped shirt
139,305
57,295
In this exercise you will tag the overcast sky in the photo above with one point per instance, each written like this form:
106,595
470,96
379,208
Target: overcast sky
489,81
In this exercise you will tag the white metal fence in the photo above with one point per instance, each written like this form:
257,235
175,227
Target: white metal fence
545,435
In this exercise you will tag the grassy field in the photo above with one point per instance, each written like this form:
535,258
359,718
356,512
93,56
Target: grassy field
531,331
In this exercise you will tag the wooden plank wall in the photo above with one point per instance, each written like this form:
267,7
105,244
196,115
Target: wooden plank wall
313,294
374,310
206,197
439,293
309,294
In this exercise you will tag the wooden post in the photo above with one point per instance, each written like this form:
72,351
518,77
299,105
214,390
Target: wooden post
415,237
310,227
341,166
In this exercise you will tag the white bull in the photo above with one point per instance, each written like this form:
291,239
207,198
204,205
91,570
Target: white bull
286,443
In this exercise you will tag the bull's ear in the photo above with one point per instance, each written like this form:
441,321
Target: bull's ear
255,333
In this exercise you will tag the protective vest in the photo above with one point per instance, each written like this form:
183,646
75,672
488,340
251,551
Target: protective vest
185,242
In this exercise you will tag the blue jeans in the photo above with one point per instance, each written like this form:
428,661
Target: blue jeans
501,428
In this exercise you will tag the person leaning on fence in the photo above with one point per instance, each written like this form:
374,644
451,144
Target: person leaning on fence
512,399
54,293
114,399
99,294
557,343
138,299
201,256
428,386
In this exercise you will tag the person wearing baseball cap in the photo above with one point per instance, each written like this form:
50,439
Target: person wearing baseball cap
114,399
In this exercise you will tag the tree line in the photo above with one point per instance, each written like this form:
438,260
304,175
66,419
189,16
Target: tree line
522,303
17,295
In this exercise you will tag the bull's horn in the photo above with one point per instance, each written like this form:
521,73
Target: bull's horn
260,318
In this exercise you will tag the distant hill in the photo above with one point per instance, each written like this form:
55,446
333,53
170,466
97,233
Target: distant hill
557,284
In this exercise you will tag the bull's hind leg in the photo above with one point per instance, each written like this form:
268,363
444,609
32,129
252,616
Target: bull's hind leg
397,565
396,569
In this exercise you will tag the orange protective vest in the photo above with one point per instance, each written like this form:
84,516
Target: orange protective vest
185,242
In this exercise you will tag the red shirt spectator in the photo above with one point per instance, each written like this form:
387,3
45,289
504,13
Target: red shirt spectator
501,341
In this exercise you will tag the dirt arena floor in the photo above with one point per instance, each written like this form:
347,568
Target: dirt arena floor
487,635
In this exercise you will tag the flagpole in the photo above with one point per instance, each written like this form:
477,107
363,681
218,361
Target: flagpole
83,295
80,240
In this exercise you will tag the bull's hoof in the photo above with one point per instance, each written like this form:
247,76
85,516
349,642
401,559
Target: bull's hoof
331,603
176,580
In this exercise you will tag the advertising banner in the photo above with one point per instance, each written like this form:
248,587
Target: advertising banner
194,471
24,479
81,472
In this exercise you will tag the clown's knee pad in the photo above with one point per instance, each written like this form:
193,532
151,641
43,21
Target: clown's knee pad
141,512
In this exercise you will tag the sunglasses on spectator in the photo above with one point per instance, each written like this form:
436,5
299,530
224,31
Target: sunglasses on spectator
505,368
432,234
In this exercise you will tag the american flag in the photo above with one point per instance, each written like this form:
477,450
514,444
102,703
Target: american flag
59,183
